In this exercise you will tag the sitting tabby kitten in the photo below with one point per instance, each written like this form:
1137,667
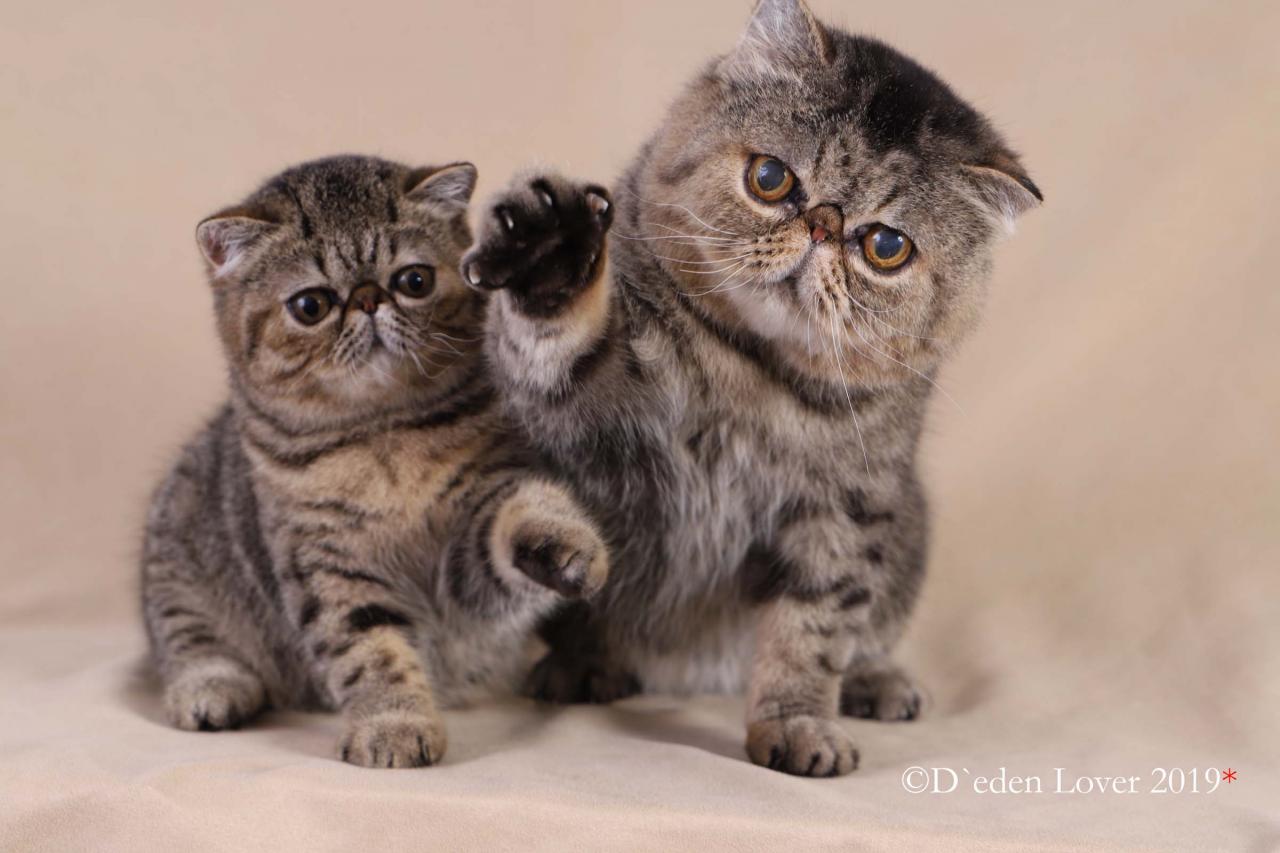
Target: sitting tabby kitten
740,395
358,528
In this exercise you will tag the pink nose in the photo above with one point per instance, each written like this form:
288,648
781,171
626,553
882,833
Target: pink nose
366,298
825,222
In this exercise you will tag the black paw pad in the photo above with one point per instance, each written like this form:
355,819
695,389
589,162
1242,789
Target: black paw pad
542,242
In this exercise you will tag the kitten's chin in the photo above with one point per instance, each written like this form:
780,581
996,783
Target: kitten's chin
378,375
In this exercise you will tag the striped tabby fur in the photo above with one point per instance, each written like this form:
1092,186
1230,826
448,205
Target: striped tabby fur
738,392
359,528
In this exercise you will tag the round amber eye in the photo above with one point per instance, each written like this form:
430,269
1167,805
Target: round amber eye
886,249
769,179
415,281
310,306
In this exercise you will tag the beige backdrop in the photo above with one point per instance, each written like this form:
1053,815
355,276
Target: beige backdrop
1104,593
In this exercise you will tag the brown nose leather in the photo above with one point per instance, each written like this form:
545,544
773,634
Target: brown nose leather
825,222
366,297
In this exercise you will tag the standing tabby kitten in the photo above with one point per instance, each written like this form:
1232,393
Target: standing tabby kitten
358,528
740,395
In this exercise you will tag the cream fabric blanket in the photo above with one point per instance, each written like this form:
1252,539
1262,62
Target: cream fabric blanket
1105,587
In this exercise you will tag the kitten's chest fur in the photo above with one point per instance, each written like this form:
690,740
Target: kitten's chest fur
390,478
740,452
391,503
729,468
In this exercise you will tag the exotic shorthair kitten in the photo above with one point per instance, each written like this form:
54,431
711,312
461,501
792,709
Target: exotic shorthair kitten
358,528
739,393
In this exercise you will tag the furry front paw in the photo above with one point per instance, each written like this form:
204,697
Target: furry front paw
567,679
889,695
212,695
543,241
394,739
802,746
567,558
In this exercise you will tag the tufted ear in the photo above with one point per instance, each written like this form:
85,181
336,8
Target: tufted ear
783,39
1003,186
447,188
225,237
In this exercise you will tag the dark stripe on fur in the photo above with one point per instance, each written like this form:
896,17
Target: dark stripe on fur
355,675
253,332
765,574
768,575
889,198
586,365
353,575
303,219
372,616
855,506
459,409
855,597
339,507
310,610
823,400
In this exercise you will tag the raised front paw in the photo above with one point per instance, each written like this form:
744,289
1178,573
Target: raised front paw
802,746
543,241
561,555
394,739
542,533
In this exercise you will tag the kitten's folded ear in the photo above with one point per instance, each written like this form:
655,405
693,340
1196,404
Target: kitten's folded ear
446,188
226,236
1004,188
783,39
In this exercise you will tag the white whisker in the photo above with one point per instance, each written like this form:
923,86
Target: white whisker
697,218
691,238
725,270
439,334
844,382
941,390
702,263
678,233
721,287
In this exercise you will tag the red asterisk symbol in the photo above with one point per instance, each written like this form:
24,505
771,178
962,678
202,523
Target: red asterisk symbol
1229,775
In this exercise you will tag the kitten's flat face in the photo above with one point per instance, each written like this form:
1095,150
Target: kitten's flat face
338,284
830,195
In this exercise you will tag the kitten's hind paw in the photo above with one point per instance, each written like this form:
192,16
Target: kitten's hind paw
567,679
883,694
543,241
568,559
213,694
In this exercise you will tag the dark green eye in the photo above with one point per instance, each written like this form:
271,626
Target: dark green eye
769,179
415,282
309,307
885,248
